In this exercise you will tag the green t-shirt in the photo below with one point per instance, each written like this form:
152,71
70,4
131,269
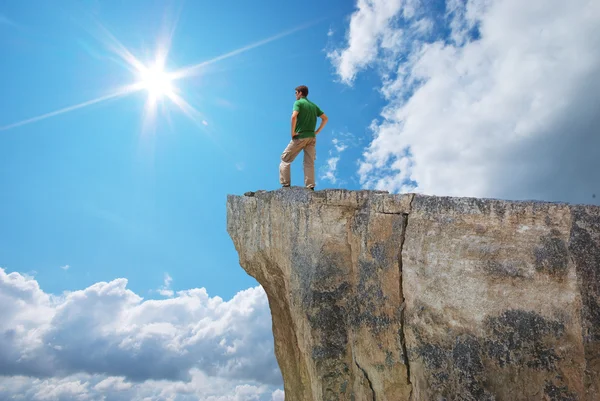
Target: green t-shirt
307,118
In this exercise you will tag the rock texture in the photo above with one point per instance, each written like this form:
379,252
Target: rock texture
408,297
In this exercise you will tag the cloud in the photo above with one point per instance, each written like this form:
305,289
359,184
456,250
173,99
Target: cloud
329,171
82,387
339,145
112,384
65,267
166,290
488,99
368,28
205,123
181,346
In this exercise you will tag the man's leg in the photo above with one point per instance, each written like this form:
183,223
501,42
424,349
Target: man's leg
287,157
310,154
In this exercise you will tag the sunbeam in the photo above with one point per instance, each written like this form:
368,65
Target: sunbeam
187,108
120,50
125,91
153,78
194,69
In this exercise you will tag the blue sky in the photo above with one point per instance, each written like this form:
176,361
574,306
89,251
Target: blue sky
113,224
91,190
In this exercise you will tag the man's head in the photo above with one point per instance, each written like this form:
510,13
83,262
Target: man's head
301,91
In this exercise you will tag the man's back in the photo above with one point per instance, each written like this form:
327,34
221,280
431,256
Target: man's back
307,117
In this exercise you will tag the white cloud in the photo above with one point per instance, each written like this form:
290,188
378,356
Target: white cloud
339,145
423,26
166,290
191,346
112,384
83,387
65,267
278,395
368,27
329,170
63,389
505,107
205,123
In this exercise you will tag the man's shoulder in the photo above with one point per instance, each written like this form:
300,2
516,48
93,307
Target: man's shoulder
317,108
304,102
308,103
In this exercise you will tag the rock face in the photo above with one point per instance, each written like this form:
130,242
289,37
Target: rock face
408,297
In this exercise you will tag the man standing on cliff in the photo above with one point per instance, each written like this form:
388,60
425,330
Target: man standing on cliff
304,121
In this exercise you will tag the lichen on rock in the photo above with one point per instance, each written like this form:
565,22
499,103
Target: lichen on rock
376,296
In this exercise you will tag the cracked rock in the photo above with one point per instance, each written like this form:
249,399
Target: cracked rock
377,296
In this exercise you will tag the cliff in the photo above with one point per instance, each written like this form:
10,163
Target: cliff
408,297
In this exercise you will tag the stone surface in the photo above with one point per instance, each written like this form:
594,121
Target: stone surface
377,296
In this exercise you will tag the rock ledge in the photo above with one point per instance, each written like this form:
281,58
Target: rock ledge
377,296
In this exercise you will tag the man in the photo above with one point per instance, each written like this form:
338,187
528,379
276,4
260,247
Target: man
304,121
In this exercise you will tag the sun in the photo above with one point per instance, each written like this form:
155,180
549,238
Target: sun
156,81
153,79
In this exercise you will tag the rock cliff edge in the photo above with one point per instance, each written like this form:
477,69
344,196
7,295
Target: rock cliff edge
378,297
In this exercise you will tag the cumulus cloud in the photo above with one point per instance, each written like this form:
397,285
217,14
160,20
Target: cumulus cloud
82,387
112,384
278,395
65,267
368,28
490,98
106,338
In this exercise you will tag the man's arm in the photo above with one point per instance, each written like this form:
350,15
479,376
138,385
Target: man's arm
324,120
294,121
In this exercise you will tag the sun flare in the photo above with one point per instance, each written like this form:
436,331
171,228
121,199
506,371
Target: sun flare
156,81
153,78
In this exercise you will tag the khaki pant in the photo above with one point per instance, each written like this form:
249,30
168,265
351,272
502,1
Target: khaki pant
290,153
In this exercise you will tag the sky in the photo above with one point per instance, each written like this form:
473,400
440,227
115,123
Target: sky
118,280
